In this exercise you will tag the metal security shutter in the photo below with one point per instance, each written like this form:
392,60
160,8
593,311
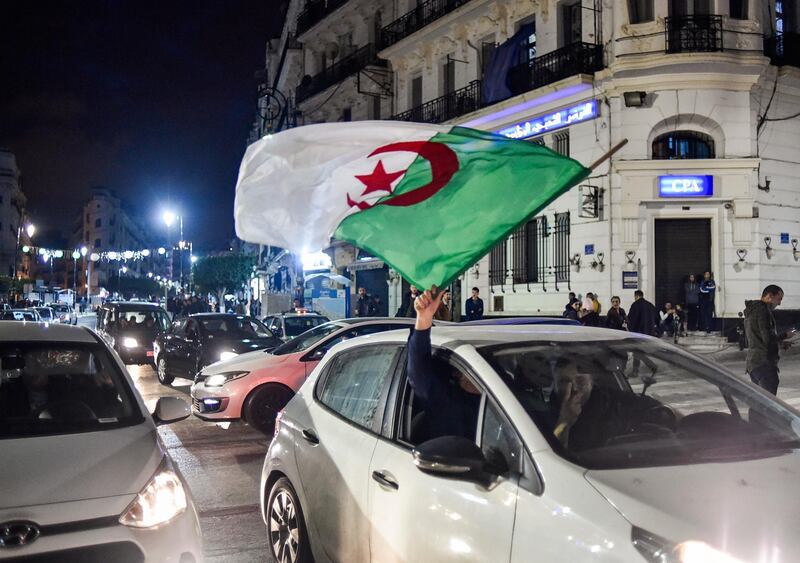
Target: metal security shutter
683,247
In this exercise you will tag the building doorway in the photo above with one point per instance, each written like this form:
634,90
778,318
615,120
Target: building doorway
374,281
682,247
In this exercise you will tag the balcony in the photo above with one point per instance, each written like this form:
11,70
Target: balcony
693,34
444,108
424,14
338,71
316,11
783,49
578,58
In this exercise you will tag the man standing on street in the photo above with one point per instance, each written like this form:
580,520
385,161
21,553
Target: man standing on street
691,291
708,288
364,304
642,316
763,338
474,306
443,313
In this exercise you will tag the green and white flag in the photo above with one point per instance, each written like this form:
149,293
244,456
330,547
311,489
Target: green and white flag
429,200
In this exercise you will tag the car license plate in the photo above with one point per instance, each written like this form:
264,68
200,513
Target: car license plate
149,353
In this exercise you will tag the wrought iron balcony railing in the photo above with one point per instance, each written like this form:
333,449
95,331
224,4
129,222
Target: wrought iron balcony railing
693,34
578,58
443,108
315,11
338,71
783,49
416,19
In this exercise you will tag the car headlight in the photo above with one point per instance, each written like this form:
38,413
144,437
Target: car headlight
220,379
129,342
161,500
227,356
658,550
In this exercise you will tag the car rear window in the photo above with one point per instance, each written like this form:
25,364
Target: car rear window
51,388
298,325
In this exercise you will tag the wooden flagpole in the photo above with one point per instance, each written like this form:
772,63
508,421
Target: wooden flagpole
609,154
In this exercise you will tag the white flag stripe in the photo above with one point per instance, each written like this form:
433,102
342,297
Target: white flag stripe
293,186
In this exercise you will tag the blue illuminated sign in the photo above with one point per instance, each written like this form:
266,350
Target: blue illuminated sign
685,186
551,122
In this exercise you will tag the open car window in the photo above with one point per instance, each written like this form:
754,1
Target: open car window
62,388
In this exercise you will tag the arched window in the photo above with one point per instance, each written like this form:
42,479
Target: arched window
683,144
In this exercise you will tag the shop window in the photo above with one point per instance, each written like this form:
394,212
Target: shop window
683,145
640,11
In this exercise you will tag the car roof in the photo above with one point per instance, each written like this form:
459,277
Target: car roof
134,305
522,321
309,314
376,320
15,331
219,316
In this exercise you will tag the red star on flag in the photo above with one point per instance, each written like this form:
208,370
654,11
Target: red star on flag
379,180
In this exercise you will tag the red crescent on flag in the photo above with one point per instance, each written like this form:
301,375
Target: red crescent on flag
444,163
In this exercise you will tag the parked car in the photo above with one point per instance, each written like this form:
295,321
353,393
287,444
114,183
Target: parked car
85,475
131,328
590,444
205,338
288,325
29,314
65,313
47,314
254,387
522,321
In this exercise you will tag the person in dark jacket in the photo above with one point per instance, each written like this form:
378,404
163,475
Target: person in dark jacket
474,306
364,304
763,338
642,317
616,318
443,312
691,291
708,288
450,400
410,312
573,310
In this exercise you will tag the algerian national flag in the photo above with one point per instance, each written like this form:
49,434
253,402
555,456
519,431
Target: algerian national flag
429,200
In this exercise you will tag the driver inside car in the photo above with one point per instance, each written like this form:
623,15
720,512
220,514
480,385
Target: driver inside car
591,414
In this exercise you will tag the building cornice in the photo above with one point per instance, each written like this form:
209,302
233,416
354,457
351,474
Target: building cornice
648,167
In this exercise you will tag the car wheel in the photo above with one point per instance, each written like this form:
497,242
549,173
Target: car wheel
263,404
288,540
161,371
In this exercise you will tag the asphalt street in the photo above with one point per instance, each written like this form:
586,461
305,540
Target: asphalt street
223,466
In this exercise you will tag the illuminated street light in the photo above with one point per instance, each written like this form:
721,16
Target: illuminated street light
145,252
84,250
169,218
193,259
76,254
30,230
162,250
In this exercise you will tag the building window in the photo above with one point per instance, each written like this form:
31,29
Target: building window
98,223
571,23
376,108
497,264
448,76
97,243
561,247
538,141
689,7
347,114
739,9
561,142
640,11
113,220
530,251
683,145
487,52
416,91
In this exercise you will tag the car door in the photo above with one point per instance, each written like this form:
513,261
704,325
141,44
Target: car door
335,444
175,346
417,516
193,349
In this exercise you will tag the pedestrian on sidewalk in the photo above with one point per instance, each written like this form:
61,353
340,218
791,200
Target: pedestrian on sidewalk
474,306
616,318
410,311
443,312
691,291
588,315
708,289
642,316
763,339
364,304
573,311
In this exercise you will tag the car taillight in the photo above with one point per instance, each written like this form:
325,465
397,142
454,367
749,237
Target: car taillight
278,419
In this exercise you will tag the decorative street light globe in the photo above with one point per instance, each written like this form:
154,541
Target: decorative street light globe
84,250
94,257
26,249
112,255
169,218
162,250
58,254
145,252
30,230
128,254
124,269
76,254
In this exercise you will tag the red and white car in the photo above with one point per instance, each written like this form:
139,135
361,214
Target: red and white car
255,386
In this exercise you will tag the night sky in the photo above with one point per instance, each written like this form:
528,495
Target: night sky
152,99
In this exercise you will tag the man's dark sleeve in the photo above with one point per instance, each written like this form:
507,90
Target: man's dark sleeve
419,362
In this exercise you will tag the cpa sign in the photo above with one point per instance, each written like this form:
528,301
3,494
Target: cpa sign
685,186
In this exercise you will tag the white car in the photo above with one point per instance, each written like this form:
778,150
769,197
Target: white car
83,473
580,444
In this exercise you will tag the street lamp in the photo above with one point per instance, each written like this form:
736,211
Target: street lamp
169,218
29,230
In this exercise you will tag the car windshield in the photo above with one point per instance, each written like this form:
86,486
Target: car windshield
635,403
154,319
234,327
61,388
307,339
44,312
298,325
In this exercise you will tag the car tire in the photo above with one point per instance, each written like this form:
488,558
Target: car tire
263,404
164,378
286,527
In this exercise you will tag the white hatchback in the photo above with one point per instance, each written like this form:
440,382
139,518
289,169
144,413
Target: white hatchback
83,473
584,444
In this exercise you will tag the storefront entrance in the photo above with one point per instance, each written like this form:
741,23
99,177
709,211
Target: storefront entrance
683,247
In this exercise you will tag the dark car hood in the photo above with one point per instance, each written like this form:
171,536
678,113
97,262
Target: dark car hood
142,334
240,346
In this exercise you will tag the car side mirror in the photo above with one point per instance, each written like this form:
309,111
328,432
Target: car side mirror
455,457
170,409
315,356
